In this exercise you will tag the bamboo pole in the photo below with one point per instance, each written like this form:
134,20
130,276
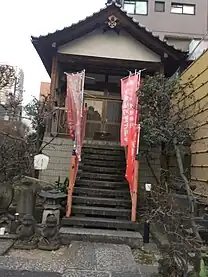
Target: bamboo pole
72,179
135,192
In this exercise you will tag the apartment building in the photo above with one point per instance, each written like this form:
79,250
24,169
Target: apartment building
178,22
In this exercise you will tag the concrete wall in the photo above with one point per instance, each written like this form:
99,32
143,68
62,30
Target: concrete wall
59,152
196,103
110,45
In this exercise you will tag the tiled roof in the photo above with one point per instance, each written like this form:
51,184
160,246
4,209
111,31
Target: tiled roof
136,22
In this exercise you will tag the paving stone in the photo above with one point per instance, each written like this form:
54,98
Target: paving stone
5,245
126,274
115,258
16,273
148,270
41,265
84,273
81,255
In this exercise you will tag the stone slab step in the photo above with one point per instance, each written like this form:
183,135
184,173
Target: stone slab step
103,151
102,157
68,234
102,184
102,176
93,192
95,222
102,163
101,202
98,169
101,211
102,145
5,244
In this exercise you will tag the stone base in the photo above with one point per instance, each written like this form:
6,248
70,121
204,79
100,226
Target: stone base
25,246
48,247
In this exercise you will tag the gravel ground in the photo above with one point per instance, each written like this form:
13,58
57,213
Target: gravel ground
148,255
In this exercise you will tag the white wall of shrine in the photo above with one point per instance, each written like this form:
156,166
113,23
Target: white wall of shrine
110,45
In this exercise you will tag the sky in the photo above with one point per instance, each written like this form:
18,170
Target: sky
20,19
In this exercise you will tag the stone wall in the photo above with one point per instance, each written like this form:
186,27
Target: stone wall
146,175
59,152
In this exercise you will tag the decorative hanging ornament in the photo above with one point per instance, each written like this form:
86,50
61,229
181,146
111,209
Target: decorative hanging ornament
112,21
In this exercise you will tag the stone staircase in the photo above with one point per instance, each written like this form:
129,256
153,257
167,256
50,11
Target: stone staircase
101,204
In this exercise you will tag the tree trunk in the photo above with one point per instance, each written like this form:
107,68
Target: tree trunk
191,204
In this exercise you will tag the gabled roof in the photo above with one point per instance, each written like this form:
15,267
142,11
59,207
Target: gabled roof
46,45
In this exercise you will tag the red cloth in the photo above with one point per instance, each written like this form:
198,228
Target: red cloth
129,87
74,108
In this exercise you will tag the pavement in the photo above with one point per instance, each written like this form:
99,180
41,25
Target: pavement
80,259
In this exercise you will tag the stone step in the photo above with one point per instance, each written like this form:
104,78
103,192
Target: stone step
69,234
102,176
98,169
103,146
105,151
97,192
103,163
95,222
121,185
101,202
95,157
101,211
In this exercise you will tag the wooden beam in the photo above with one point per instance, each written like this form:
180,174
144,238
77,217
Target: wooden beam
106,62
53,78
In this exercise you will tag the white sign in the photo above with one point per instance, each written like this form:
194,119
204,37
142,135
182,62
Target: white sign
2,231
148,187
41,162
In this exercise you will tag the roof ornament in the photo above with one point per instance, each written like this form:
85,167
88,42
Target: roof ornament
116,2
112,21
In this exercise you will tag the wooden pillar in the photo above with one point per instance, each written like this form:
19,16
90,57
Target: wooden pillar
52,126
53,78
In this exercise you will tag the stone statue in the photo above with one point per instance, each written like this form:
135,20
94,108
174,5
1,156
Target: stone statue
6,197
50,239
26,232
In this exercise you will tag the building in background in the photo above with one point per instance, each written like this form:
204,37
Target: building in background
44,89
179,23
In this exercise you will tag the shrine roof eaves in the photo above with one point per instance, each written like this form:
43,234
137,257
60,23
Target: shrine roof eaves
60,37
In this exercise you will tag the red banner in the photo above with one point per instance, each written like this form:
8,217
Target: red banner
74,108
129,87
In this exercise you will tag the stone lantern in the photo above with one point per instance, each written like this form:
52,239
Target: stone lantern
52,203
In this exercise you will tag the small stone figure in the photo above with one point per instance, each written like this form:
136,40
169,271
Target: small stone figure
5,222
50,239
27,237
